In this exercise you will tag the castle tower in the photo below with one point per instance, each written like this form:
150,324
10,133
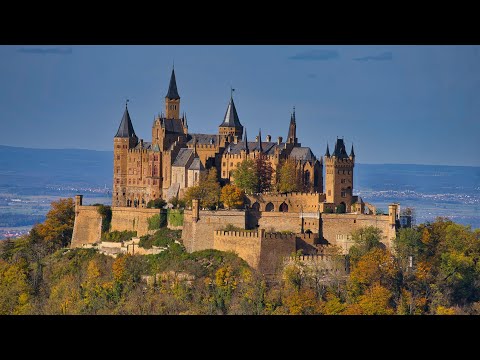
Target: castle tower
124,140
339,176
172,99
292,130
231,126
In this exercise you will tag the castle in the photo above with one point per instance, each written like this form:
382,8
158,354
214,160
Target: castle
175,159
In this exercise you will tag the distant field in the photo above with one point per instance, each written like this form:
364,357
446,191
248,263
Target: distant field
30,179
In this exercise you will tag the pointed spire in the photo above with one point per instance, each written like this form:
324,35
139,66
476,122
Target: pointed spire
292,118
247,151
352,153
231,117
172,93
259,141
327,154
125,129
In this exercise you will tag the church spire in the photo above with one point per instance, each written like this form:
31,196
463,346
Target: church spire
327,154
352,153
247,151
172,93
292,129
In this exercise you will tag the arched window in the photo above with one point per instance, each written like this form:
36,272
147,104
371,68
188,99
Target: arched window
283,207
269,207
256,206
307,178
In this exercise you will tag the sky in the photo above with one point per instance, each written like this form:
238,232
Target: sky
397,104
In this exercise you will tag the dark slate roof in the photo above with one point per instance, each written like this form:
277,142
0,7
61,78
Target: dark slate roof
352,153
172,88
173,125
302,153
231,116
146,145
327,154
125,129
202,138
340,151
196,165
252,146
183,157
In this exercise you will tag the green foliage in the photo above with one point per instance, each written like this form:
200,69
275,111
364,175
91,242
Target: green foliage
157,221
175,217
246,176
162,238
264,173
118,236
106,212
328,211
365,239
340,209
288,177
156,204
208,191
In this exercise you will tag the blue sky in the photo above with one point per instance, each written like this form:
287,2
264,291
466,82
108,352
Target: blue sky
397,104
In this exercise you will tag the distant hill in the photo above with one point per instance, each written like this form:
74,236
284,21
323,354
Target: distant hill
23,167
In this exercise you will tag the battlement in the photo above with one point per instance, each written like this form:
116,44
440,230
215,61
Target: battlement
248,234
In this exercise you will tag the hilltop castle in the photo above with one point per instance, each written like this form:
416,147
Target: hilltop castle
174,160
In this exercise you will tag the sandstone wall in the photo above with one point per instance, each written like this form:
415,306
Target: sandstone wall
274,248
87,228
280,221
199,235
246,244
344,224
297,201
132,219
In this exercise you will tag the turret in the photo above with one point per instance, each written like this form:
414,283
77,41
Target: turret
231,126
292,129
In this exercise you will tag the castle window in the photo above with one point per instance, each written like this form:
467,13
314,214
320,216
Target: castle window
344,194
118,146
343,181
118,157
348,172
338,172
343,172
129,181
224,174
231,164
329,192
224,164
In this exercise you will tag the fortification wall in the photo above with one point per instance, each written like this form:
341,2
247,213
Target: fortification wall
132,219
344,224
280,221
87,228
246,244
274,248
296,201
198,235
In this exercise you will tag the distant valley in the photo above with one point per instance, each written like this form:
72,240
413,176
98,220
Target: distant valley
31,178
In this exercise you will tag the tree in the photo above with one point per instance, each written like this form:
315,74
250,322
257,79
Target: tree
288,178
207,191
232,196
156,204
246,176
365,239
264,172
58,225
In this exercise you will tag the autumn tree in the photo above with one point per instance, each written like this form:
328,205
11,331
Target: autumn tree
58,224
207,191
232,196
288,179
365,239
264,172
246,176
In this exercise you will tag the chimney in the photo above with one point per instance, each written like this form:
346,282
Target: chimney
269,138
141,143
235,139
280,139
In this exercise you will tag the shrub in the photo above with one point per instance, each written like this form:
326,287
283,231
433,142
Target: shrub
106,212
175,217
157,221
118,236
162,238
156,204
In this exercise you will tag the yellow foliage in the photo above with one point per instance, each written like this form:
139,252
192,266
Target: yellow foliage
302,303
376,266
333,305
426,236
376,301
119,268
442,310
225,279
232,196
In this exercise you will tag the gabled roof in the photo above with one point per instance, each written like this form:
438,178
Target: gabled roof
172,88
252,146
196,165
183,157
146,145
202,138
340,151
302,153
231,117
125,130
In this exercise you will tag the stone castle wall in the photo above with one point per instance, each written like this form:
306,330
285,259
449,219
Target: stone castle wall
297,201
87,228
343,224
198,235
132,219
